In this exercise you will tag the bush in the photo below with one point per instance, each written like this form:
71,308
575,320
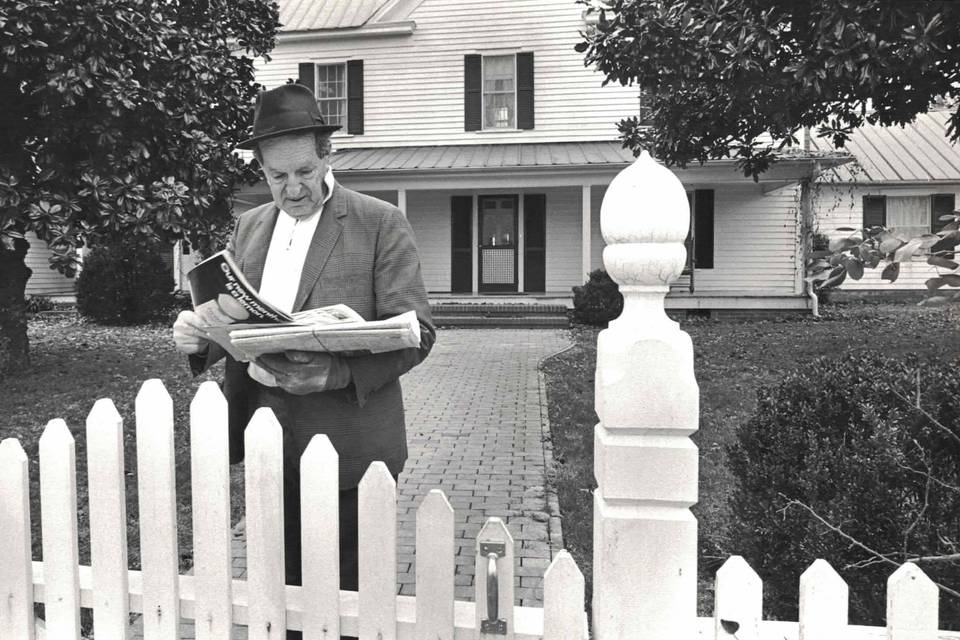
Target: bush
39,304
845,438
598,301
125,284
821,242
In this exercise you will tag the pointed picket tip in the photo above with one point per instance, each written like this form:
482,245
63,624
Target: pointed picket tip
435,504
821,573
913,603
152,391
737,567
377,475
208,395
11,451
910,577
564,569
55,433
104,412
496,531
320,450
264,421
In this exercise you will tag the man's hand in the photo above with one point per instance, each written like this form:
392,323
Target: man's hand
189,329
302,372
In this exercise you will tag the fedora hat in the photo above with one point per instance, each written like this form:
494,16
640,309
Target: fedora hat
290,108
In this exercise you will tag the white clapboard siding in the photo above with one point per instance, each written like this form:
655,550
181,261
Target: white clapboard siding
495,531
377,521
413,85
429,215
157,489
563,597
16,574
320,521
564,238
913,606
435,568
58,516
108,521
210,473
824,599
45,281
738,598
263,486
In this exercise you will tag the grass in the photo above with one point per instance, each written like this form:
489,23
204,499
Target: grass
732,359
74,364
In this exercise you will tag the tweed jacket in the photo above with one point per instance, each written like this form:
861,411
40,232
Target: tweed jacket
362,255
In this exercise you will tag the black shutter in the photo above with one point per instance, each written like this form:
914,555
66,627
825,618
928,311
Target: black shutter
525,90
941,204
308,76
703,229
355,97
874,211
461,244
472,92
534,242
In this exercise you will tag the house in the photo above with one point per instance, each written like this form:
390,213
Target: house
45,281
904,178
481,123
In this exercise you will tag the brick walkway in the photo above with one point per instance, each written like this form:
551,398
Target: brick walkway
475,426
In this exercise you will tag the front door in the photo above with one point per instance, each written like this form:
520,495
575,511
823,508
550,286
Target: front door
498,243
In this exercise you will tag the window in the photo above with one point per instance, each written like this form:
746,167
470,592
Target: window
499,92
331,93
907,216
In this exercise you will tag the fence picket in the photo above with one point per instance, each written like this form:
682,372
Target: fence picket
210,474
913,605
157,498
738,601
495,532
263,443
320,533
108,521
16,566
824,598
58,517
377,520
435,568
563,598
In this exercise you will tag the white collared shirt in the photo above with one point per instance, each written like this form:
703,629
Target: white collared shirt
288,251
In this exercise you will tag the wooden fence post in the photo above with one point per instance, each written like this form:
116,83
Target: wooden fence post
738,601
824,602
913,605
16,565
377,566
320,535
645,538
435,568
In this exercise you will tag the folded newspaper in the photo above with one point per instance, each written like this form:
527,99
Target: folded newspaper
262,328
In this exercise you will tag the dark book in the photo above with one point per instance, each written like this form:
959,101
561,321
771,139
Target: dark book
218,276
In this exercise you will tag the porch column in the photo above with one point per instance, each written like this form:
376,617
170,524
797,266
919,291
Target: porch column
402,200
645,538
177,268
476,246
586,233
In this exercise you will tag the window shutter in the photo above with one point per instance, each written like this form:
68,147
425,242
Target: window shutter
472,92
525,90
355,97
308,76
874,211
534,242
461,244
703,229
941,204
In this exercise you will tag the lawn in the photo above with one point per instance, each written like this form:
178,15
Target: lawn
732,359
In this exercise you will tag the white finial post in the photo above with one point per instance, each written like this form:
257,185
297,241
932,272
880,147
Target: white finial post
645,538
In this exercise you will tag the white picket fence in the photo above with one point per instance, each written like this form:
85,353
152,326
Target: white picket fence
210,596
645,537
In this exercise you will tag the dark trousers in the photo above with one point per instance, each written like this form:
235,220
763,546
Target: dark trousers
292,541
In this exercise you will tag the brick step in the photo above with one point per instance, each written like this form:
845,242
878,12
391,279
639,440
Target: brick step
497,309
536,321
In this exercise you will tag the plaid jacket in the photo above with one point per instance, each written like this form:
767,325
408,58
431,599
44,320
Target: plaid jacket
362,255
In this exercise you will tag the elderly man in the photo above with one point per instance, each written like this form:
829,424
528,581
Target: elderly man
317,244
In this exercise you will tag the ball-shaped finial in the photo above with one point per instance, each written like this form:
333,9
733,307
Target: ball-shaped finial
644,219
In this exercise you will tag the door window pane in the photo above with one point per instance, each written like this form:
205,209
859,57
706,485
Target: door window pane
498,216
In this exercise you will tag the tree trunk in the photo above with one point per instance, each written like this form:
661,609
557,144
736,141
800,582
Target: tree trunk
14,273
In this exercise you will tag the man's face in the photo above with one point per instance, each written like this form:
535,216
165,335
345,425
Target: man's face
294,173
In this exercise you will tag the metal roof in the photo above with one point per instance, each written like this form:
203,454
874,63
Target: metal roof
482,156
311,15
919,152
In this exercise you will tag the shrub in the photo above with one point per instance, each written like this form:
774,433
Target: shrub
125,284
598,301
821,242
846,438
38,304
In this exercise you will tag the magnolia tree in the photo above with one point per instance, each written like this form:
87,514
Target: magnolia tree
118,120
742,78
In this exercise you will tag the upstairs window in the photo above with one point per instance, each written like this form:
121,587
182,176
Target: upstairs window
499,92
331,93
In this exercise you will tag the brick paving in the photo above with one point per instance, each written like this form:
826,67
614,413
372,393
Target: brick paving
476,420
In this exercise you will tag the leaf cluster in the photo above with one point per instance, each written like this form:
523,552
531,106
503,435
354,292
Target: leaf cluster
851,255
118,118
741,78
